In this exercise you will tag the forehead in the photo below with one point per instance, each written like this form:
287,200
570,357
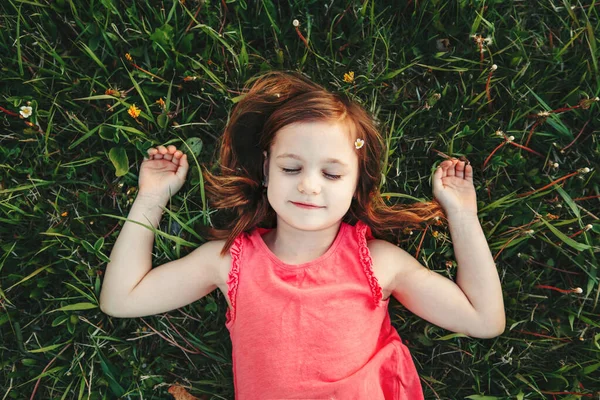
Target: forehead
316,140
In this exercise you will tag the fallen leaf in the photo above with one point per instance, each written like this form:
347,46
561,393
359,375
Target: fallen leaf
180,393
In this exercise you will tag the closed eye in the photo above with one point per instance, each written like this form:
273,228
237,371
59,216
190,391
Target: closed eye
329,176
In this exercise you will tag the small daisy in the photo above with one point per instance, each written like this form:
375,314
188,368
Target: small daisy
359,143
26,111
134,111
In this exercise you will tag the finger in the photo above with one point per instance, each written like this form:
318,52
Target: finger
151,153
460,169
438,175
177,157
469,172
168,156
171,149
450,170
183,167
162,149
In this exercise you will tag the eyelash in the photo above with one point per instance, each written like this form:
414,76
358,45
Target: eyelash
332,177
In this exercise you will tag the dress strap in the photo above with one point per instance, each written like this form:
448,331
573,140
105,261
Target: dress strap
363,233
232,280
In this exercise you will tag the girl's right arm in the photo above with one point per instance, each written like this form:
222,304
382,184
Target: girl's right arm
132,288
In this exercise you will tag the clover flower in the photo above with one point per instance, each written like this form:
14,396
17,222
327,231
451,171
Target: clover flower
26,111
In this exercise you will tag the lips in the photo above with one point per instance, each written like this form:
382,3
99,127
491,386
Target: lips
307,205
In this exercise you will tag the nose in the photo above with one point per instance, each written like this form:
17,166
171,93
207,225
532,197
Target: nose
309,184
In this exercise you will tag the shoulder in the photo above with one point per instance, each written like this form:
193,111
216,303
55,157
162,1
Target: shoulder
390,263
223,263
399,266
388,253
220,264
384,252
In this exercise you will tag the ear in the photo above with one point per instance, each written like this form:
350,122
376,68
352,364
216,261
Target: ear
266,167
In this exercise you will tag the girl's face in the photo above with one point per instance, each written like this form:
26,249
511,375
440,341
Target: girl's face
314,163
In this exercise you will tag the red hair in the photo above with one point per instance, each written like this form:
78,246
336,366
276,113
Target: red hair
274,100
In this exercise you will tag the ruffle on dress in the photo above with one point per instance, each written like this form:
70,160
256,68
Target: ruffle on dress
232,280
363,232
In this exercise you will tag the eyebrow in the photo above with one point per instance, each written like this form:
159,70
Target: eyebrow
326,161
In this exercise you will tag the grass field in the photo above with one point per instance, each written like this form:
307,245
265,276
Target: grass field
70,153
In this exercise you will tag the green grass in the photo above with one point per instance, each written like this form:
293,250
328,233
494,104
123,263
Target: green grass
68,180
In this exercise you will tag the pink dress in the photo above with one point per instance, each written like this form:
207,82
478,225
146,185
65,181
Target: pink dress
318,330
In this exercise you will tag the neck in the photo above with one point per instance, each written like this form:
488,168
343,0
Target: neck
296,246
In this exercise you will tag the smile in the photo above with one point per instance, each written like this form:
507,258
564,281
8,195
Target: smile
306,206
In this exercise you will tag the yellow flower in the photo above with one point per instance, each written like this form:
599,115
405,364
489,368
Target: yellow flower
161,102
349,77
435,234
64,214
128,57
134,111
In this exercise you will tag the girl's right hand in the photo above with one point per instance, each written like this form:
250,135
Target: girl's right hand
164,169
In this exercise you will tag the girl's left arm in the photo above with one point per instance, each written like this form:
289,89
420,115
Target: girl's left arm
476,273
477,276
474,304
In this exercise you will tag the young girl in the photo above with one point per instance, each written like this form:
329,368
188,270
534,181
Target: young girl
297,259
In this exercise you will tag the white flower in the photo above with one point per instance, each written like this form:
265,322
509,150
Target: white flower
555,165
26,111
295,22
494,67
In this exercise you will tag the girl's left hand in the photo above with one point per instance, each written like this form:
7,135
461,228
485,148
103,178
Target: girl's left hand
453,187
